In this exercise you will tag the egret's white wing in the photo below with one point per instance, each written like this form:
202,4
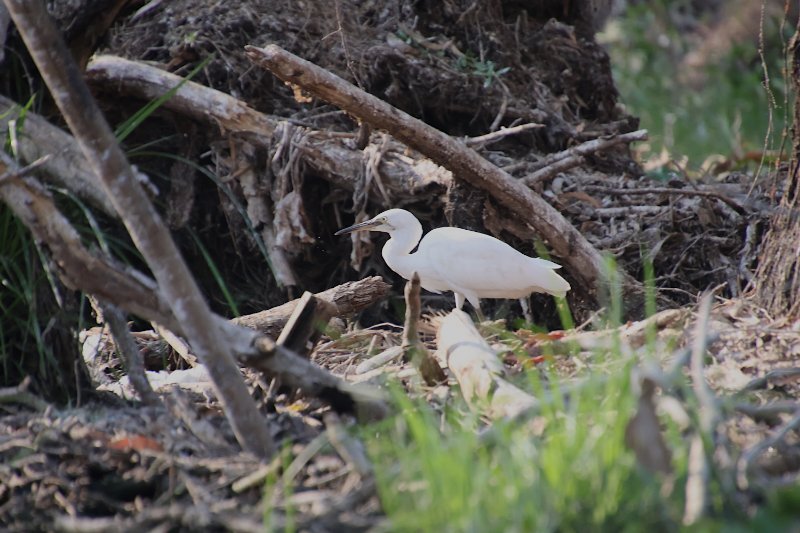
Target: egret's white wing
477,263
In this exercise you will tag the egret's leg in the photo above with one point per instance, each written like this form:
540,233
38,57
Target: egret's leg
479,313
459,299
525,302
476,304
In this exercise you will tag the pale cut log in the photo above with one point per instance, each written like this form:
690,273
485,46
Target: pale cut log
478,370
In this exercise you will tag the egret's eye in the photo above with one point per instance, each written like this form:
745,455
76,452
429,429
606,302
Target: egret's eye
384,220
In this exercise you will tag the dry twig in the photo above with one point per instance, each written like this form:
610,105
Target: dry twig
129,351
414,350
667,190
697,481
501,134
744,464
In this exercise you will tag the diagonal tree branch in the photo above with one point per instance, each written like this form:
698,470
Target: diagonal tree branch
80,269
122,185
584,261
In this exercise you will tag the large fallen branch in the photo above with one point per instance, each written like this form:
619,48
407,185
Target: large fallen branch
80,269
330,155
123,186
585,264
33,137
478,369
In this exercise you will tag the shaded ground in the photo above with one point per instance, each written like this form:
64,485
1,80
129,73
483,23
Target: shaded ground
122,466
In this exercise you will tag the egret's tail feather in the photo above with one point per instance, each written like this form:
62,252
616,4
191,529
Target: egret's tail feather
547,280
545,263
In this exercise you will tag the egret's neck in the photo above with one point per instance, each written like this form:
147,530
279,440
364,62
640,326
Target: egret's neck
397,251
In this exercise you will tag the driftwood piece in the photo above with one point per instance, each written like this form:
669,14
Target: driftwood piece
478,369
67,166
413,349
330,155
584,262
304,325
347,298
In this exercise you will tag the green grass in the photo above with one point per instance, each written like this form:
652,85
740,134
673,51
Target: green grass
730,115
566,469
21,326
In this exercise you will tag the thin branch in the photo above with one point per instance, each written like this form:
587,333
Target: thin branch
123,186
697,480
20,394
777,375
126,345
501,134
13,172
587,148
667,190
745,461
551,170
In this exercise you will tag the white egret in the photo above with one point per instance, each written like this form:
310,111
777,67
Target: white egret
470,264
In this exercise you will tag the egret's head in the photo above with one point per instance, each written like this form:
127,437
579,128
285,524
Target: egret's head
388,221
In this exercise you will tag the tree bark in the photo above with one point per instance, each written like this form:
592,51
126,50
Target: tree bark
778,274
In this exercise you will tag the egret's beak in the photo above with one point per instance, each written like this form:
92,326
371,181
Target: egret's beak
361,226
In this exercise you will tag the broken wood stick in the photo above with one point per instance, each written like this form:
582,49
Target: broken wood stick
347,298
478,370
413,349
552,169
305,324
130,353
584,262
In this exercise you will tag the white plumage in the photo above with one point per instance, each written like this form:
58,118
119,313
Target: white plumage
470,264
